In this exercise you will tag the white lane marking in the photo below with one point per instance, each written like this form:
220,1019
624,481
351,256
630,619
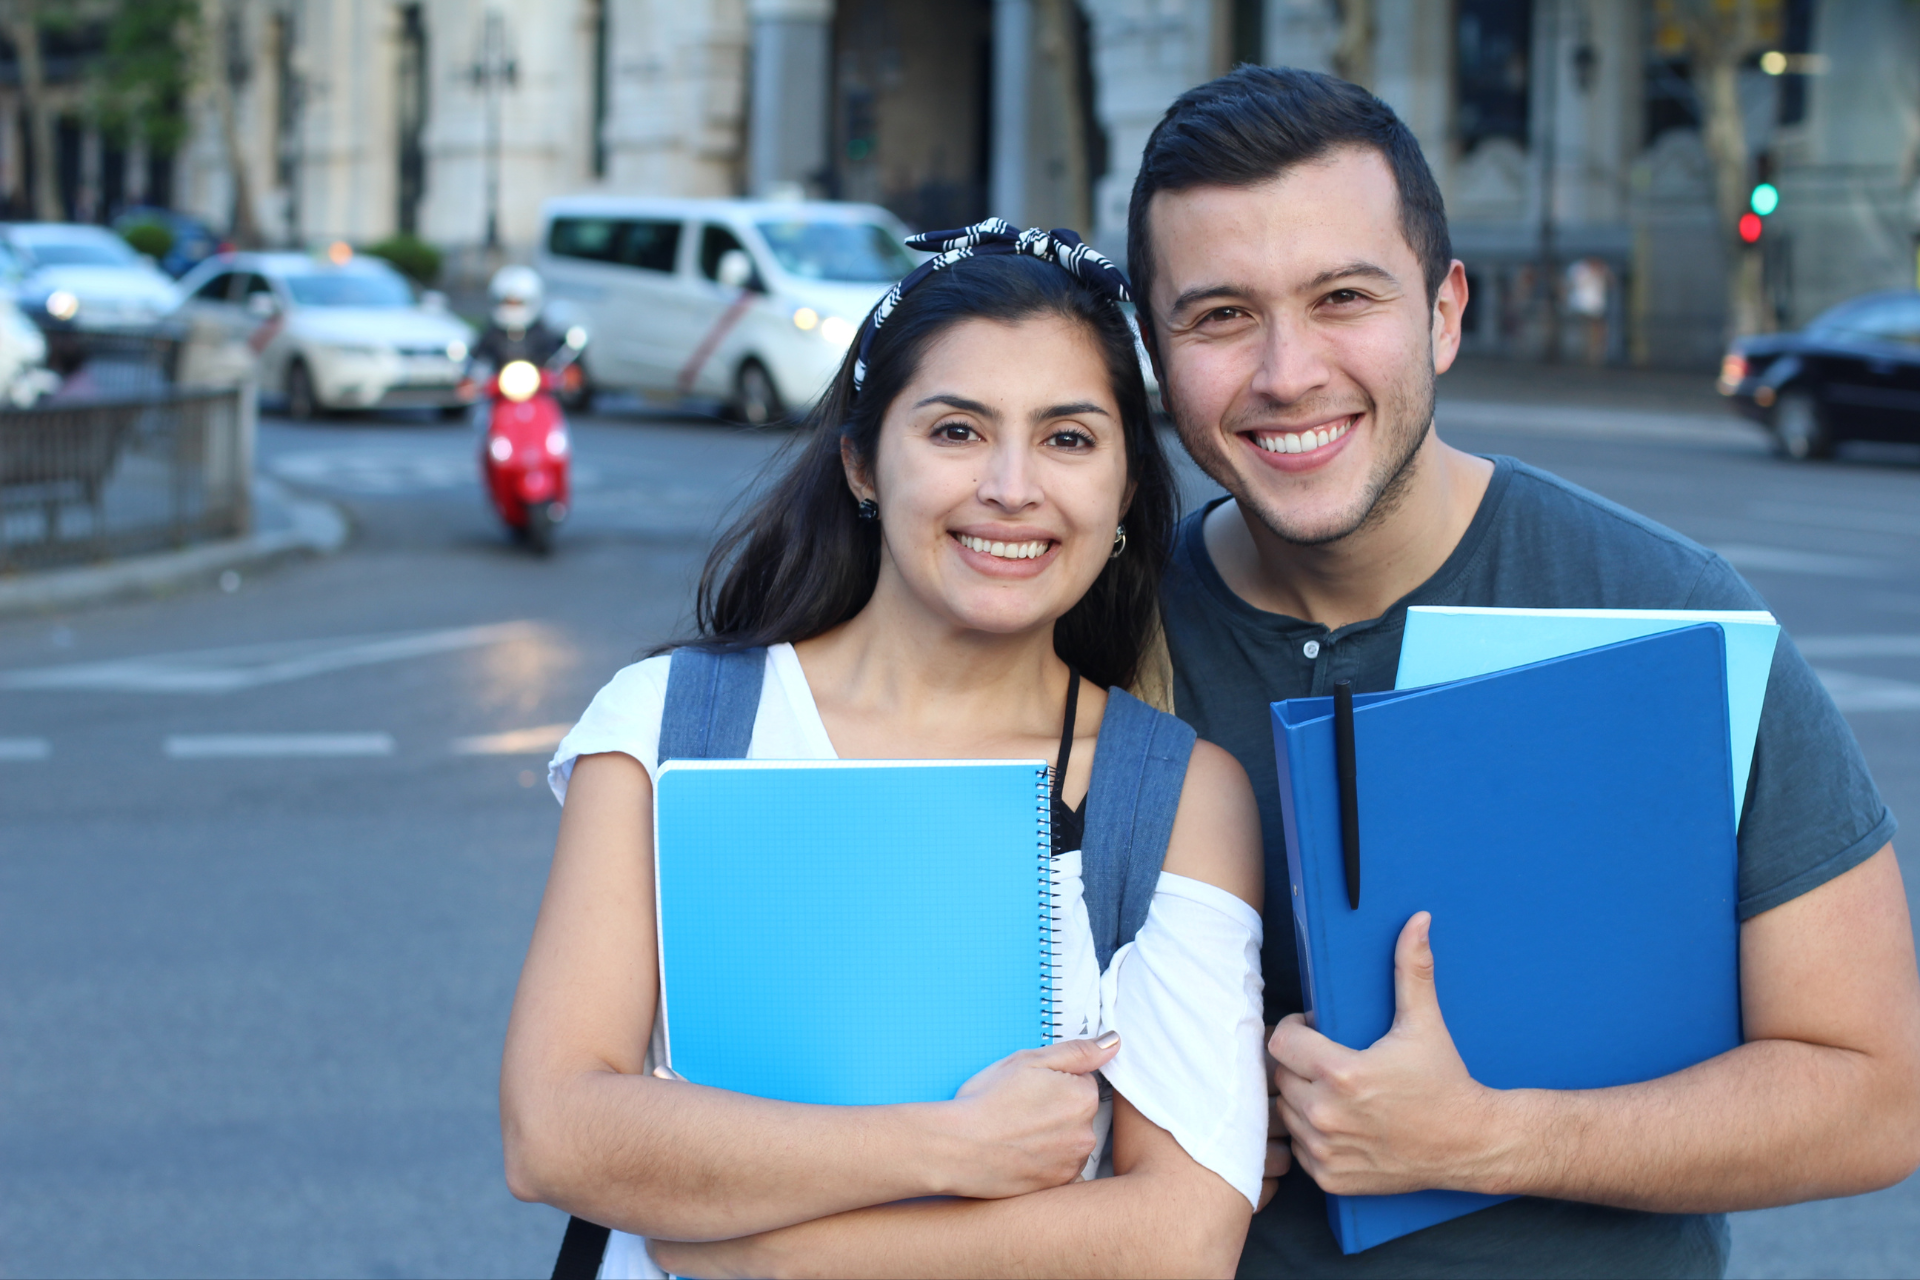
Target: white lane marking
1781,560
1851,692
1816,516
225,746
1859,646
514,742
245,667
25,749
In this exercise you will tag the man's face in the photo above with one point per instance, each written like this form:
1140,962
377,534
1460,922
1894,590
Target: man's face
1297,345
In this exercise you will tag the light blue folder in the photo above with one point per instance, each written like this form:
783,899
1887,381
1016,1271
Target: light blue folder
851,932
1569,824
1451,643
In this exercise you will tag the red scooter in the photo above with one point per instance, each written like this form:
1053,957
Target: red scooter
526,449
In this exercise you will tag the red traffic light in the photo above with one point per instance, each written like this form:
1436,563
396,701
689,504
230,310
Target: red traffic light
1750,227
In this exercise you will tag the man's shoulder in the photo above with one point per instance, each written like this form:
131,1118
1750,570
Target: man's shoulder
1551,543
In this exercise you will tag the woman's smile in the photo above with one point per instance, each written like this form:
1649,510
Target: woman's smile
1002,553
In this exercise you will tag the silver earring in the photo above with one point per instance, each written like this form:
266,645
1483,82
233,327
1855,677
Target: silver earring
1119,542
868,509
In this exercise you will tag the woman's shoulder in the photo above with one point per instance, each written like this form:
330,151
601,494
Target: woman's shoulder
624,716
1216,832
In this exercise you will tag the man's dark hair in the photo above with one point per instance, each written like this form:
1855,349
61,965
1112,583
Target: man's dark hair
1254,123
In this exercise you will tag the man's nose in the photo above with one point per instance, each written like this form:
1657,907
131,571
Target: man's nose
1293,361
1010,481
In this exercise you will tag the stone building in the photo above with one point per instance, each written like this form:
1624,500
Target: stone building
1565,133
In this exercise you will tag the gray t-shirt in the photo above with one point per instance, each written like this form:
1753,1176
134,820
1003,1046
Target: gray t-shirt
1812,812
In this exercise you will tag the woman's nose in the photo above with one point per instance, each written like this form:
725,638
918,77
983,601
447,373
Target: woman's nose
1010,481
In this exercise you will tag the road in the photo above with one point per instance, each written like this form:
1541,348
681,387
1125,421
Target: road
272,854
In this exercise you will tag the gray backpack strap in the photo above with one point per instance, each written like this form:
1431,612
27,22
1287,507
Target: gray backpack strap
1139,768
712,699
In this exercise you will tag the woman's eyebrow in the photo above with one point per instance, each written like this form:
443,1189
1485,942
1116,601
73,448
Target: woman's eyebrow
959,402
1077,409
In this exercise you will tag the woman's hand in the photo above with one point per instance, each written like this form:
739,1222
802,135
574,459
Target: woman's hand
1026,1122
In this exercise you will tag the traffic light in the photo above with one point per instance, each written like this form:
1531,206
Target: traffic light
1762,199
1765,199
1750,228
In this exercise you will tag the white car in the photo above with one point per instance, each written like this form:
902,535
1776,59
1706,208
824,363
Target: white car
751,303
76,279
329,335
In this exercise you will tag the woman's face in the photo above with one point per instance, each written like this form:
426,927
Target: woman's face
1000,472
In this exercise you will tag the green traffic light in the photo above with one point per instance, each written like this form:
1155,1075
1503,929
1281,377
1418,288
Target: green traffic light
1765,199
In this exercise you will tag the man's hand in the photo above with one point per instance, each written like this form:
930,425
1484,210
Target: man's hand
1401,1115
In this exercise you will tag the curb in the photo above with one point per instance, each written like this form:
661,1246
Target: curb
318,528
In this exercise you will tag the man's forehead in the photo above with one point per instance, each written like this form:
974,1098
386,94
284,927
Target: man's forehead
1341,207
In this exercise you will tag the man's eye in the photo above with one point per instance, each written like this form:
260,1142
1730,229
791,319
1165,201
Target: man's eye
1226,313
1344,297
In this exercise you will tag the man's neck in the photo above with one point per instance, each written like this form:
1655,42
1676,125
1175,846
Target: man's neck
1361,575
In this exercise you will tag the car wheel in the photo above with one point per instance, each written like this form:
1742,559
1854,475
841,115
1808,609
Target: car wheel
756,401
1800,428
303,403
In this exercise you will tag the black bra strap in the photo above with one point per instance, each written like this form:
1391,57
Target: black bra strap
1066,734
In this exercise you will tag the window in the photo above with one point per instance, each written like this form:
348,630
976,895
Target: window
218,289
350,289
852,251
632,242
108,251
1894,320
1492,40
716,243
258,284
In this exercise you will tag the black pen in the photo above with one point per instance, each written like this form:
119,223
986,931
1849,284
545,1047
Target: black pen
1349,787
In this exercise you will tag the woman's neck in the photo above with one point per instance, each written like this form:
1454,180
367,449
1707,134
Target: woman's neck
895,681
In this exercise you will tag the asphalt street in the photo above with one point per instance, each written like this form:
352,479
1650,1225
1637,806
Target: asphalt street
272,854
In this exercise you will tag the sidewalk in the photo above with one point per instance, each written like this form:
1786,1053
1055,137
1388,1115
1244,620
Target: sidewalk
284,525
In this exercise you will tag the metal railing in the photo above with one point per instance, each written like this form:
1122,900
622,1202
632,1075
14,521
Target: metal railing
144,467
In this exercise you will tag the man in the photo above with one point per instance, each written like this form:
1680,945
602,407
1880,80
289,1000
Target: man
1290,253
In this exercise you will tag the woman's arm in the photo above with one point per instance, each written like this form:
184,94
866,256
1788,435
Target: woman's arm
587,1131
1161,1214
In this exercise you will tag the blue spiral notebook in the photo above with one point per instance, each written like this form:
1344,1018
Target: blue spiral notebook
851,932
1570,826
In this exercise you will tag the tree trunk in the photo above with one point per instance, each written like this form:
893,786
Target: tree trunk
225,49
1353,56
23,30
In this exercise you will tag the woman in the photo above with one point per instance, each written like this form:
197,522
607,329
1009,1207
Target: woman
959,564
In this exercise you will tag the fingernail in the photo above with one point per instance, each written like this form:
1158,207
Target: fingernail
1108,1040
667,1073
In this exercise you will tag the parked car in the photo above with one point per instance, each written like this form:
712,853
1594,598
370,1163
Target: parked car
330,335
193,240
750,303
77,281
1851,374
24,376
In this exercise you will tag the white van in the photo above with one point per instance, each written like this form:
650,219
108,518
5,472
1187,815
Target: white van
748,302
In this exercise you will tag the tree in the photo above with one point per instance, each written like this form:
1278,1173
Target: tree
1721,37
20,20
143,79
229,65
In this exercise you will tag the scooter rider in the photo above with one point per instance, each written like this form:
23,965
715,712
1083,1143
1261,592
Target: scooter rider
514,328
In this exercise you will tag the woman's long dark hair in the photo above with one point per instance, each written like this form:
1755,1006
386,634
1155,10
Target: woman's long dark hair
800,561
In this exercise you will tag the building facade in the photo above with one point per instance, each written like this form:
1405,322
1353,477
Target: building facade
1566,134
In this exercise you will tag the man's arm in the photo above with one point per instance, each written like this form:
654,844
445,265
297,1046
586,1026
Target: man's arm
1162,1214
1822,1100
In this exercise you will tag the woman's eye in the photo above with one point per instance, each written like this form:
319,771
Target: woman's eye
957,431
1071,440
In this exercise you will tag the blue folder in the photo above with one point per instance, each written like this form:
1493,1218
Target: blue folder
1450,642
1570,826
851,932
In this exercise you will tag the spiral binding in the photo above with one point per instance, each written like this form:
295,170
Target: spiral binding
1050,1012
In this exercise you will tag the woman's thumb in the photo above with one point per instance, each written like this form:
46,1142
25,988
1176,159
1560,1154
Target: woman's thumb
1077,1057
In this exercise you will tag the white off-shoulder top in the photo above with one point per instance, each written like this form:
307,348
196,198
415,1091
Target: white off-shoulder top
1185,994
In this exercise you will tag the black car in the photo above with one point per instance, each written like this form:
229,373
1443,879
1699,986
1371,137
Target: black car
1852,374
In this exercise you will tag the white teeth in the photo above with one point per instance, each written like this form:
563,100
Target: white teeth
1005,550
1301,442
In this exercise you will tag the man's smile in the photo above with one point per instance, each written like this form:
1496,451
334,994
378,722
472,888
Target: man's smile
1304,449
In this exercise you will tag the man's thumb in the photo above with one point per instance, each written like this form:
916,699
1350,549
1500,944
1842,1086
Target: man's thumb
1077,1057
1413,991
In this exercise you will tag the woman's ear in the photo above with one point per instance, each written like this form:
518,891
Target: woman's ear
856,471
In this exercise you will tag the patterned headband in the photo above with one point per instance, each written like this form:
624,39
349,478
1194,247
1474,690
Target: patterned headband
1061,247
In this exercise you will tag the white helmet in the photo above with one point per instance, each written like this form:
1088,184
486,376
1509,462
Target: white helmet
516,294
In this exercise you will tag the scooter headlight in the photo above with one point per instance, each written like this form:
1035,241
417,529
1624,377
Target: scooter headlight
519,380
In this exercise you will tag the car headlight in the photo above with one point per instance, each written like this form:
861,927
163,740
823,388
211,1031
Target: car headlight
519,380
456,351
806,319
62,305
837,331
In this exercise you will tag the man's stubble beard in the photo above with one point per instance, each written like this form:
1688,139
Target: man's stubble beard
1403,422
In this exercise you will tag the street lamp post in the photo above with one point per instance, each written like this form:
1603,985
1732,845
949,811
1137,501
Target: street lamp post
491,73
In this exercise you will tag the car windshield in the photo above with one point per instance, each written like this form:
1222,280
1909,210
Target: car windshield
82,253
1895,319
854,251
350,289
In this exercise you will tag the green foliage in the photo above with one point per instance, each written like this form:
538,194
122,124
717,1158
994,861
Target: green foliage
150,238
413,256
142,80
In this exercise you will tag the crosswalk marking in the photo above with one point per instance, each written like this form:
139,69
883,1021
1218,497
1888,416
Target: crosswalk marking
249,666
221,746
25,749
514,742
